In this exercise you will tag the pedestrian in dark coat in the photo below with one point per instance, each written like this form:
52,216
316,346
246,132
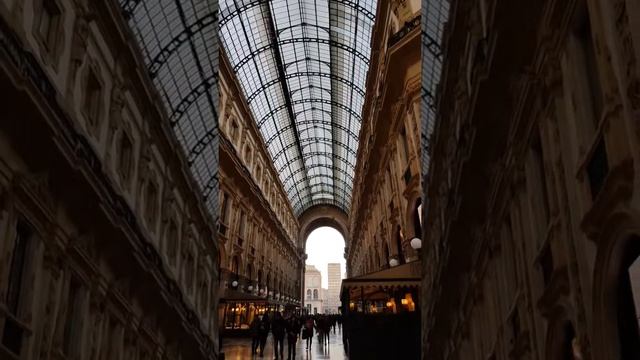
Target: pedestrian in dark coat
278,328
255,334
307,332
293,330
263,331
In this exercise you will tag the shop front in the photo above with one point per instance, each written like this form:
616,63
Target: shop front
238,309
381,313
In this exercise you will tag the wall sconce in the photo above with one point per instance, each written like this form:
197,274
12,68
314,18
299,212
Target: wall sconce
416,243
404,301
250,287
393,262
234,283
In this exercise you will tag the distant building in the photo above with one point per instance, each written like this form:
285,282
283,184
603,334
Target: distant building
315,295
334,271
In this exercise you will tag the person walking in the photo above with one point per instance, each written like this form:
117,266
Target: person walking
263,332
255,334
326,331
278,328
307,332
293,330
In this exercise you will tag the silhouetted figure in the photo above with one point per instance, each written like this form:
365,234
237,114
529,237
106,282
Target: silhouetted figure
263,330
293,330
278,328
255,334
307,332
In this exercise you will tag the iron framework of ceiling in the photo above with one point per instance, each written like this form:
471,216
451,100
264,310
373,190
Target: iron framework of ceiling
178,39
434,17
302,65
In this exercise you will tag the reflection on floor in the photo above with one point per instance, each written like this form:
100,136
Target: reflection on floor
240,349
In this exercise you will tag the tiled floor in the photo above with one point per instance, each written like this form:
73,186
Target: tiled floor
240,349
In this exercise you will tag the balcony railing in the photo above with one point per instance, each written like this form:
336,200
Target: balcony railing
406,29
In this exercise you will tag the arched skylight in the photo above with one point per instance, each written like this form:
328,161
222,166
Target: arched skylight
302,66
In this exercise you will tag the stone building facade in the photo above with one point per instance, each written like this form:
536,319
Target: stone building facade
531,228
257,228
107,250
315,300
387,191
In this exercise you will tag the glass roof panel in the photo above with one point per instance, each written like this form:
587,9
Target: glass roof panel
179,42
302,66
434,16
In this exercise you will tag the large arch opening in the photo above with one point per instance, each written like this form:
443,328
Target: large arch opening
325,268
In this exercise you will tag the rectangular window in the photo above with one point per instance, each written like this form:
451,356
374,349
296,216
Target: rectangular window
125,159
93,98
48,27
225,209
405,147
242,225
234,131
13,332
17,267
151,201
515,325
589,66
540,174
72,320
546,264
598,168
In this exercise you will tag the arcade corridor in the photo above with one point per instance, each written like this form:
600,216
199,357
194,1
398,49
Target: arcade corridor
164,162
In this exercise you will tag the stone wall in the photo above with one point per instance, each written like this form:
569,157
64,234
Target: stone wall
109,249
532,211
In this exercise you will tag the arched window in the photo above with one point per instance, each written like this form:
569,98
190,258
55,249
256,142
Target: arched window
308,293
250,272
315,294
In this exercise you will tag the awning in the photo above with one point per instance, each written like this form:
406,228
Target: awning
231,295
235,295
405,275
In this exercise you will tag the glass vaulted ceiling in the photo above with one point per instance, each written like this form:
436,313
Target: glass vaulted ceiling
302,66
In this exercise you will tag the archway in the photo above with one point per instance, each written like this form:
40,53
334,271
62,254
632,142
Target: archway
325,266
323,216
